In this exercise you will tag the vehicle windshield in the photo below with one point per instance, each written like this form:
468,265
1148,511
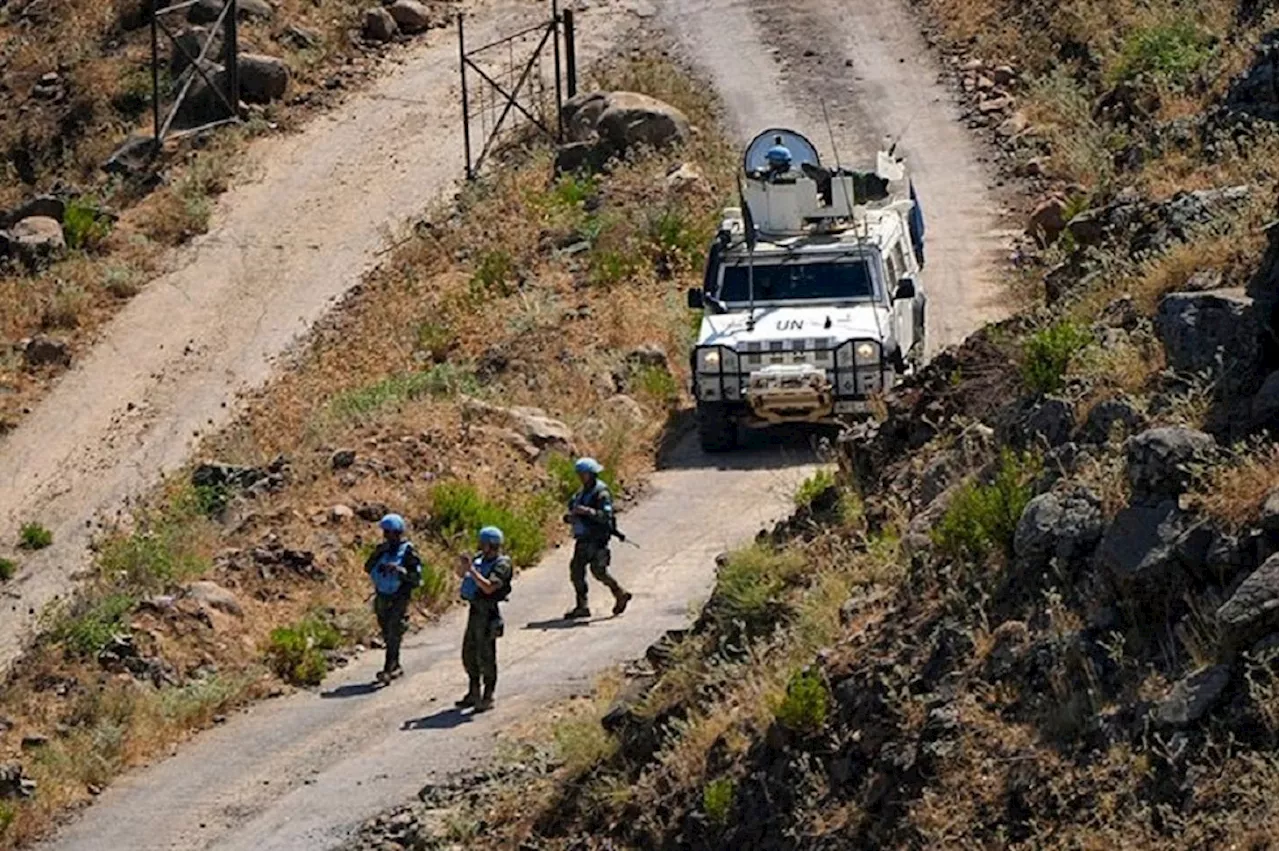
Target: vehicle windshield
823,281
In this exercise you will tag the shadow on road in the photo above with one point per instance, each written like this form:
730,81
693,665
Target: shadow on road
758,449
557,623
445,719
351,690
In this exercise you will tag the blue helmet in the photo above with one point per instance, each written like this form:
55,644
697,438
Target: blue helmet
392,523
491,535
588,465
779,155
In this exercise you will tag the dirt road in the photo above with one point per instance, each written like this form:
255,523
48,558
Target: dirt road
279,251
302,772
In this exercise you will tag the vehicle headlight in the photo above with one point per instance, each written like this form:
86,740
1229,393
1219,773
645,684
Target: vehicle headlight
866,353
708,360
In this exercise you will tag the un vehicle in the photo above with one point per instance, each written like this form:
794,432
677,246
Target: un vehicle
812,301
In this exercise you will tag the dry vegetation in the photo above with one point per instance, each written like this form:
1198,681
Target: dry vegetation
531,292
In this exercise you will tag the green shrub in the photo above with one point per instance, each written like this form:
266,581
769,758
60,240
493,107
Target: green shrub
1173,52
442,379
494,275
813,487
804,707
717,799
674,242
296,653
8,812
572,191
8,567
83,224
33,536
458,511
611,266
983,517
120,281
435,339
435,583
566,478
85,631
1048,353
656,383
163,548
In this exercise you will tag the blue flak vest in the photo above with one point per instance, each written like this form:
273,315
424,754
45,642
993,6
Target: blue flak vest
386,578
469,589
587,498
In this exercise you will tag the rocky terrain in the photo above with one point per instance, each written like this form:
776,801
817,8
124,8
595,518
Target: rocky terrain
1035,605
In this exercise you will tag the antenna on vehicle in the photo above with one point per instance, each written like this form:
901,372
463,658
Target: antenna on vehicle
905,127
835,151
749,233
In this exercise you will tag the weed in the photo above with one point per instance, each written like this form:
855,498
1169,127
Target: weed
1048,353
8,567
751,580
435,584
673,241
717,799
66,307
120,281
982,517
296,653
656,383
434,339
494,274
1173,52
7,814
165,546
458,511
572,191
33,536
86,631
610,267
442,379
1233,492
581,743
566,480
813,487
804,707
84,225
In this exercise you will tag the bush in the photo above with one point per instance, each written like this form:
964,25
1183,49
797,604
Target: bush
443,379
458,511
656,383
33,536
804,708
983,517
8,567
674,242
1172,52
813,487
494,274
748,584
435,340
435,583
1048,352
163,548
85,632
296,653
83,224
572,191
717,799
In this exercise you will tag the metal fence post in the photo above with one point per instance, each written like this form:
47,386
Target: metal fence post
155,73
466,116
570,57
555,47
232,60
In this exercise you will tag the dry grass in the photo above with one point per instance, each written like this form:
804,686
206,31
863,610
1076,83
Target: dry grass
386,378
1233,492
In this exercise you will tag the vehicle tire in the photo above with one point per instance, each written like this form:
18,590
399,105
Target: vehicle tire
717,432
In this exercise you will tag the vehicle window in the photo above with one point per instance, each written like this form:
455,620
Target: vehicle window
799,281
893,269
901,258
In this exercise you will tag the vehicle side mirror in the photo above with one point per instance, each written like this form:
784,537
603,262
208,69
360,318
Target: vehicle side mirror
906,289
695,300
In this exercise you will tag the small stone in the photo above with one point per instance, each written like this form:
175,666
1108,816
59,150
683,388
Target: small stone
379,25
341,513
342,459
46,351
1193,696
215,596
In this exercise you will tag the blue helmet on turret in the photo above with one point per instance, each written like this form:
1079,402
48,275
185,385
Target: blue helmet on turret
779,156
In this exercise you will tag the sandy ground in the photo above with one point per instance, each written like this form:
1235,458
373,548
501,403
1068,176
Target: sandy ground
280,250
302,772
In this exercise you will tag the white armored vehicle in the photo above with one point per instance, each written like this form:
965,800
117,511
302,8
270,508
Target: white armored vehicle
812,298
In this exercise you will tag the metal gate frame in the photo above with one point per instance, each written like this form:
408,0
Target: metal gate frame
226,23
556,30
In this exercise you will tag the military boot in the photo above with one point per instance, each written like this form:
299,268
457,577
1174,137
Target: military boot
485,703
620,601
470,699
578,612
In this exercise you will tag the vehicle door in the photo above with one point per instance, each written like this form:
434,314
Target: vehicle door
903,292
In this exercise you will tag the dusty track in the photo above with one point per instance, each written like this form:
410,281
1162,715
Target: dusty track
279,251
302,772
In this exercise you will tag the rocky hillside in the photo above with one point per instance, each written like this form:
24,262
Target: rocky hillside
1035,603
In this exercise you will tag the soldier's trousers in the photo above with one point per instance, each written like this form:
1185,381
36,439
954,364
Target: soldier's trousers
392,611
480,647
589,554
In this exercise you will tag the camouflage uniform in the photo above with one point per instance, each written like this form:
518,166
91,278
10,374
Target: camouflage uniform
591,544
484,627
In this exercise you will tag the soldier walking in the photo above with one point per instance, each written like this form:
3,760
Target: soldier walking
395,570
591,516
486,582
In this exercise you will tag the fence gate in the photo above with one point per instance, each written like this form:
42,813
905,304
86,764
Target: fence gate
197,85
505,88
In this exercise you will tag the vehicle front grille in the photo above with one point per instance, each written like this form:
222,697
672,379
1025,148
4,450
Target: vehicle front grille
817,351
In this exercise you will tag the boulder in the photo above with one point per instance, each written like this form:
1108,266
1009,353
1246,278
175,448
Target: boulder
1110,418
262,78
342,459
46,351
411,16
532,424
1193,696
1264,409
1206,330
1264,289
205,100
36,240
687,179
1051,422
580,115
1139,550
186,48
14,782
1253,93
580,156
1251,610
379,25
1047,220
207,11
623,120
1062,525
650,355
1161,460
48,206
341,513
131,156
214,596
